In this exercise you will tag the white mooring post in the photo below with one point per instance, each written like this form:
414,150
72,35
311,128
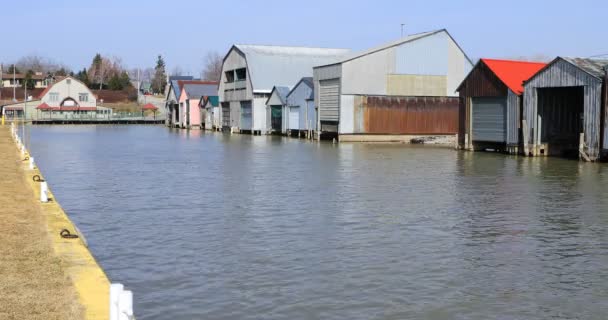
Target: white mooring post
121,302
32,164
44,188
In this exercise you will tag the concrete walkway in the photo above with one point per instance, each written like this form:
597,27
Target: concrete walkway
33,282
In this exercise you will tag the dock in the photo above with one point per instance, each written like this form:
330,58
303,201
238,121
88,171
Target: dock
47,269
96,121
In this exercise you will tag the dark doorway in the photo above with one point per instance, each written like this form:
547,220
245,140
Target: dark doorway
561,113
276,118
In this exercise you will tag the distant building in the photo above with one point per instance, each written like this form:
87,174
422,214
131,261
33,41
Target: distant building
393,92
40,80
67,99
172,92
192,91
249,72
211,112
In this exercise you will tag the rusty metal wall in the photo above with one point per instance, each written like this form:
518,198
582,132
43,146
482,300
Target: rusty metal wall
408,115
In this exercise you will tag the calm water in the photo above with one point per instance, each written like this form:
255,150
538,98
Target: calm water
212,226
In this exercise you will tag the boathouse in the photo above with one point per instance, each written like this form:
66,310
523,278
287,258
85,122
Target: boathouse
211,112
302,119
249,72
491,104
404,88
172,92
192,91
275,108
564,109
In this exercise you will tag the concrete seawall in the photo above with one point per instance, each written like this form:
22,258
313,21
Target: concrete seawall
91,283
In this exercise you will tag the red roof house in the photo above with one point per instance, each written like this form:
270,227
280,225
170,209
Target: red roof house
491,104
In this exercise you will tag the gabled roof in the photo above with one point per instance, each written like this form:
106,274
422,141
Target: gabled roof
149,106
398,42
198,90
268,65
513,73
593,67
306,81
173,80
47,89
281,92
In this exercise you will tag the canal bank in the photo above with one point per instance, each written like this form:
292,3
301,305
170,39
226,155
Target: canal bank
47,269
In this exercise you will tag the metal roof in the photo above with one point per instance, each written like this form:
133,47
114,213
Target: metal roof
175,86
307,81
406,39
594,67
269,65
196,91
282,93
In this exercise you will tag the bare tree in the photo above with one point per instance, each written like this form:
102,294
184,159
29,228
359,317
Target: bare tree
177,71
212,69
539,57
103,68
40,64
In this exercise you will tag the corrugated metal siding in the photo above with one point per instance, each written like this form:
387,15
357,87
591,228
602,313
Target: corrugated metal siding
489,119
409,115
513,123
329,100
426,56
563,74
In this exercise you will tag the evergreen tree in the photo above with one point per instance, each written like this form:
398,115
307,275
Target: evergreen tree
160,76
12,69
29,82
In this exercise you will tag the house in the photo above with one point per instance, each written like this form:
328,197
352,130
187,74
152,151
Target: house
302,116
189,99
564,109
393,92
275,108
66,99
249,72
491,105
172,92
211,111
17,80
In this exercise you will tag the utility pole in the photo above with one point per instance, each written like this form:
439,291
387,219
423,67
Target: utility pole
14,84
402,25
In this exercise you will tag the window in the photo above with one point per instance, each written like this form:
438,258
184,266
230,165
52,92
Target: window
54,97
229,76
83,97
241,74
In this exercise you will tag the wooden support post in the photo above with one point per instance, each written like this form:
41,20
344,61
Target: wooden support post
581,148
525,134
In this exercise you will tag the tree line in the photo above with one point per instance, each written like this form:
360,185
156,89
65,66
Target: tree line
109,73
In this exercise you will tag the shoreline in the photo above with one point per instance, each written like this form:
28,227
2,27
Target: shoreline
89,280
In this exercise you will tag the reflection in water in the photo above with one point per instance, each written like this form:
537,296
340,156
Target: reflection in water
219,226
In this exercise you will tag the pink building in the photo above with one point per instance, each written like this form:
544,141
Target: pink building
191,93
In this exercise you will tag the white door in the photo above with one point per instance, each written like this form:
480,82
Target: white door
294,118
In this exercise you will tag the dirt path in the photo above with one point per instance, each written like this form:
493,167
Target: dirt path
33,284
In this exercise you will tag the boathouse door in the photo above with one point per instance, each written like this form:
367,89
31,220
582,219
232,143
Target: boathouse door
490,119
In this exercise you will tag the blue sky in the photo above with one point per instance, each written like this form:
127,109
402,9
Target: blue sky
183,31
